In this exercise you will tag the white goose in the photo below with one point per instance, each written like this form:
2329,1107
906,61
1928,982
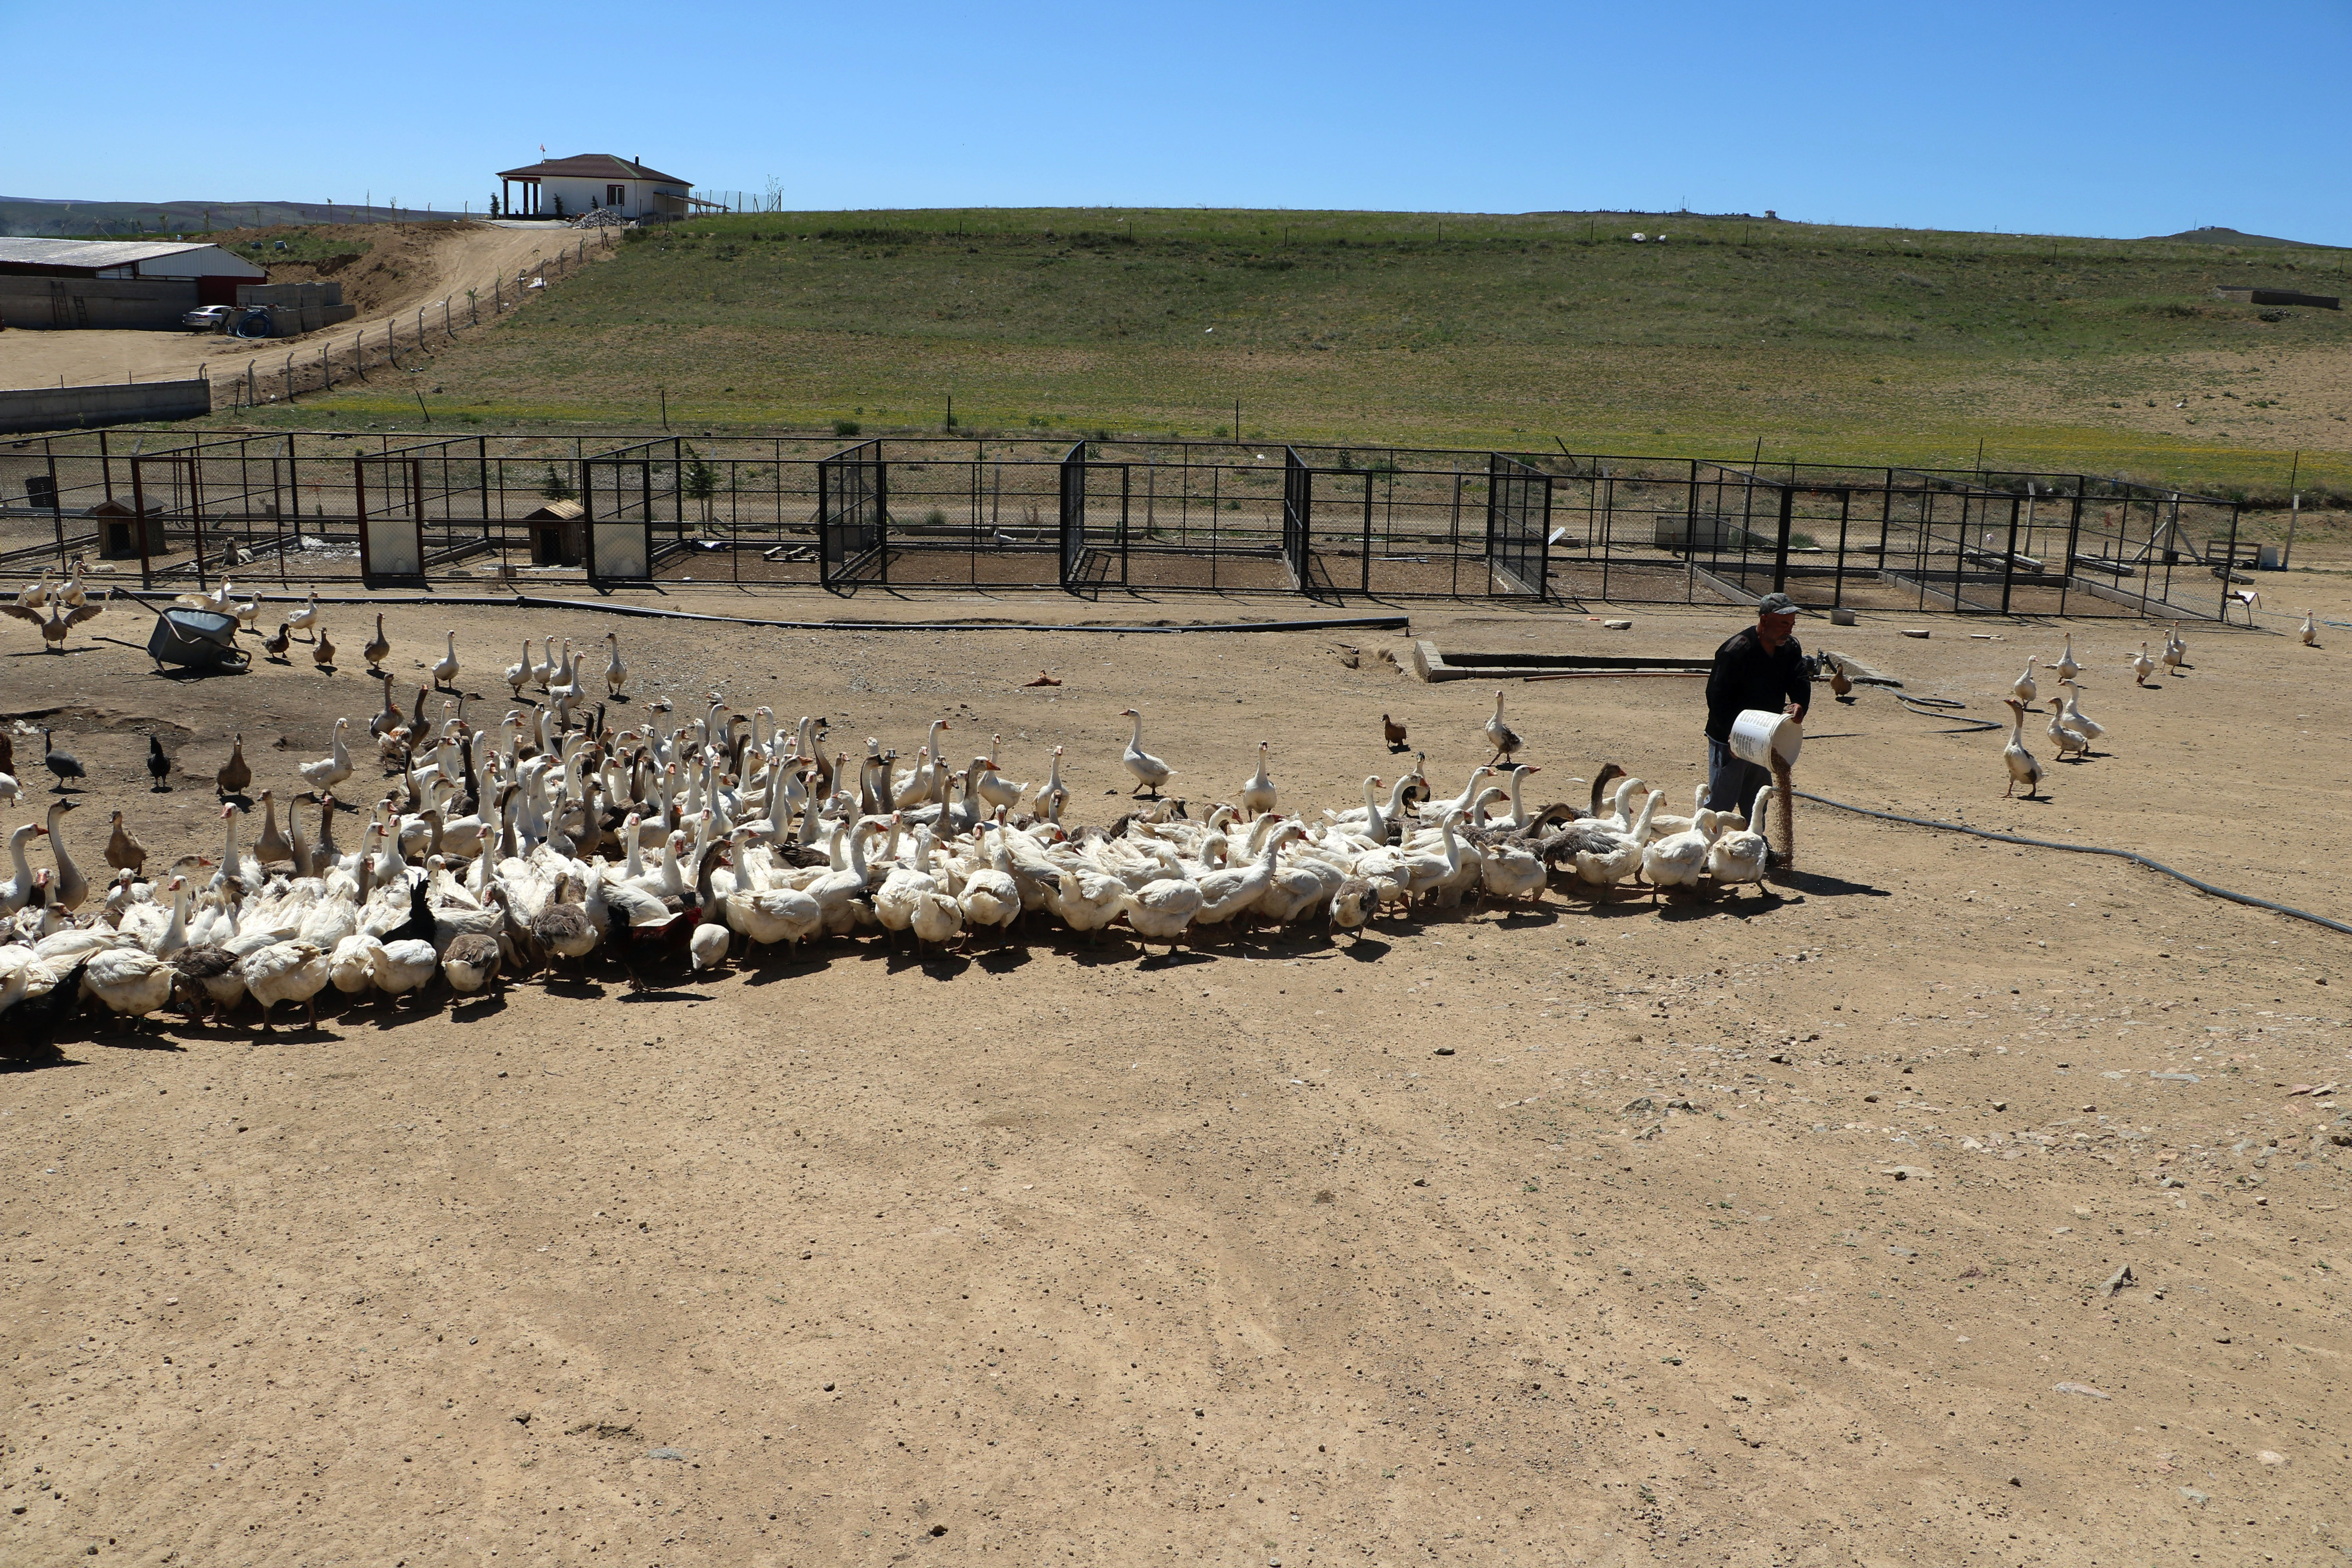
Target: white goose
324,775
2310,631
1150,772
2024,768
517,674
2143,667
1743,855
1679,859
2023,689
617,674
1257,793
306,619
2076,720
2070,744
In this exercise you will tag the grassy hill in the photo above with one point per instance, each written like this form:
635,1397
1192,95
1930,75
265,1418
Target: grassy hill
1821,343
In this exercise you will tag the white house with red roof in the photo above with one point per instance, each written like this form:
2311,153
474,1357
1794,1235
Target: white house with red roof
566,187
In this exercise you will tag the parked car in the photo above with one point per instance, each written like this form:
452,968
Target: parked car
207,319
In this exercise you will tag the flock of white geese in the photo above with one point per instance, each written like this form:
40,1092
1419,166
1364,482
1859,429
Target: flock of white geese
553,843
2071,731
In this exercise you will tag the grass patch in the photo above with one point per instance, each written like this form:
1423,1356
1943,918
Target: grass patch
1835,344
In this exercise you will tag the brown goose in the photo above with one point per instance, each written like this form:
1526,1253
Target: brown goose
378,648
124,852
272,845
1506,739
1393,732
323,656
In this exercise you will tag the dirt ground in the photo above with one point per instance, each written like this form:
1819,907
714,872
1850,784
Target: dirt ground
407,266
1739,1230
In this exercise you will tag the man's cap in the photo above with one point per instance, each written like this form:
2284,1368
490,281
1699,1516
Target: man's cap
1776,605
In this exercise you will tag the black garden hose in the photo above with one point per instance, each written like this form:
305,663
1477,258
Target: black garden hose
2138,860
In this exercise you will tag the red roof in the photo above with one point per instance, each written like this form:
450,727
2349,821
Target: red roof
590,166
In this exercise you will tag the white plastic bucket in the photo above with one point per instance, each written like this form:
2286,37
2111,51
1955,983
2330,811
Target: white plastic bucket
1759,736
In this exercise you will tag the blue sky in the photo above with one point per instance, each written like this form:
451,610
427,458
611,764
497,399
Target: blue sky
2080,119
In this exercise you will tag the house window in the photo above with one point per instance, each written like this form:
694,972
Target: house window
617,195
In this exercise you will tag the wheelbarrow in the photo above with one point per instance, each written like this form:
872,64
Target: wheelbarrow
197,639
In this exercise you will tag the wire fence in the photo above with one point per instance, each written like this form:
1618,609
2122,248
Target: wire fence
1103,516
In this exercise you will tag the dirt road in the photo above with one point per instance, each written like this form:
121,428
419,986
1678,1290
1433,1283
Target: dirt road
1784,1229
459,256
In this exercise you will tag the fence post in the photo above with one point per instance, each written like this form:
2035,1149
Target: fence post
105,466
1846,510
2009,558
1781,549
139,514
1367,562
2074,535
277,504
196,512
56,503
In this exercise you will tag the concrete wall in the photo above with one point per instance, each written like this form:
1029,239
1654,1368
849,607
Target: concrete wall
78,408
43,302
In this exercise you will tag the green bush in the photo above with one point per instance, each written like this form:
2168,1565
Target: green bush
845,426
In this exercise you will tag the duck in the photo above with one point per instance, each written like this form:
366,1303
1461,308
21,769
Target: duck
1163,909
2310,633
246,611
1505,740
1392,734
378,648
2067,667
2022,688
2076,720
1150,772
1352,906
287,972
351,967
564,927
404,964
331,770
2143,667
236,774
306,619
472,962
1088,900
276,645
130,980
123,851
444,668
159,765
1745,855
1508,870
2071,746
1257,793
64,765
617,674
323,655
2024,768
1841,686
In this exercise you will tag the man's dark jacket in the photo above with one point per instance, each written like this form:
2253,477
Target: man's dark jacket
1745,676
